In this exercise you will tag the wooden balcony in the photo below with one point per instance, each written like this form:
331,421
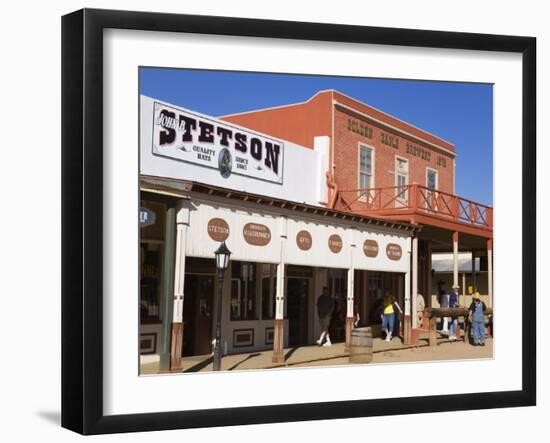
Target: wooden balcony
418,204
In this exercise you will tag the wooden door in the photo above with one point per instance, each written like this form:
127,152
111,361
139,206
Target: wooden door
297,310
198,314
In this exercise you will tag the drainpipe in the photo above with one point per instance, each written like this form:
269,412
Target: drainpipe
334,188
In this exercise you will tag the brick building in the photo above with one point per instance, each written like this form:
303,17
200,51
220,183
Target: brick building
382,166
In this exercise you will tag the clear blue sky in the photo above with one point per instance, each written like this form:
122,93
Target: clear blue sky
461,113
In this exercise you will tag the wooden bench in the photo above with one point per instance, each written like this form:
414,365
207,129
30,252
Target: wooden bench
432,314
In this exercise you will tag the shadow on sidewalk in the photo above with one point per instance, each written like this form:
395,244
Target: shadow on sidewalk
289,353
200,365
236,365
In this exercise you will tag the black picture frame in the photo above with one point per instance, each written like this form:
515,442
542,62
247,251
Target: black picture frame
82,239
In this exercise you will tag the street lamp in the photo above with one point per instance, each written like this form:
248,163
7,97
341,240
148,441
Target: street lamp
222,263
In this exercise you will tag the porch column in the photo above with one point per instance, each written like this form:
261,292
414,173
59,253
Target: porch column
490,270
167,288
455,258
350,314
414,288
407,321
182,223
278,326
463,302
474,280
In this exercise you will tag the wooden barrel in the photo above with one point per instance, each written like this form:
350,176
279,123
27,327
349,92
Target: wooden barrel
360,350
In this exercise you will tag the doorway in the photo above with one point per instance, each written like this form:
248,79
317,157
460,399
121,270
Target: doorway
338,288
297,310
197,314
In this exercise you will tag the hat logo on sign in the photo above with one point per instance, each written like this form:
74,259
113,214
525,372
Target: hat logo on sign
225,163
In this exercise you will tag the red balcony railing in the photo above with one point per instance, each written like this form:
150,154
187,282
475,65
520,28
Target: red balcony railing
416,199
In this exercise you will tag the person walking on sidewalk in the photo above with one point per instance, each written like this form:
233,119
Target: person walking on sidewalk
325,306
476,316
420,306
453,303
388,317
443,300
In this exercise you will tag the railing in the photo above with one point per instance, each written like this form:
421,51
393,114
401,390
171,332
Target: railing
417,199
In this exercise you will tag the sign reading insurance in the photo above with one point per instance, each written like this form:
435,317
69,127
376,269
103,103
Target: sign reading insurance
216,144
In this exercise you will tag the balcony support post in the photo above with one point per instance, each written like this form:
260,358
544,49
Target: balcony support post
414,278
455,258
490,270
474,279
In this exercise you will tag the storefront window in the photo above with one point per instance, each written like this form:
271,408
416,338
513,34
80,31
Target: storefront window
151,257
243,291
151,260
374,285
269,288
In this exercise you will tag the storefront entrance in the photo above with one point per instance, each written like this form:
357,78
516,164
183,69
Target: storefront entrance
297,310
338,288
197,314
369,290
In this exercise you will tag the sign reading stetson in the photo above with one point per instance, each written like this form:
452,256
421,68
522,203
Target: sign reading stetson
215,144
303,240
393,251
370,248
335,243
256,234
218,229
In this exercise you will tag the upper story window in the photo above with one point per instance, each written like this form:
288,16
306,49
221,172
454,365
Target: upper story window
366,167
431,179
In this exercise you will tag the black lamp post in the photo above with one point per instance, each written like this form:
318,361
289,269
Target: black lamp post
222,263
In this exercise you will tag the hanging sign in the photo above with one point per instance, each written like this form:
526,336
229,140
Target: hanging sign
146,217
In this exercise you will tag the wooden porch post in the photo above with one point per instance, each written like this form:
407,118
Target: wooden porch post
407,321
167,288
490,270
349,310
455,258
414,288
182,223
278,324
474,280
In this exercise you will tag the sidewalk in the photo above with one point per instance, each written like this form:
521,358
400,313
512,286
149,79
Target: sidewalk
313,355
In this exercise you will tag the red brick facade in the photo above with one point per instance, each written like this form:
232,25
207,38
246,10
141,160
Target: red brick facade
355,123
351,132
298,123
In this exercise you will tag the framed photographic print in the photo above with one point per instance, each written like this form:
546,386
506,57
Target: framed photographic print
251,207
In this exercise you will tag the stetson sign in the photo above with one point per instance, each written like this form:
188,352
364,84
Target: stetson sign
215,144
218,229
393,251
256,234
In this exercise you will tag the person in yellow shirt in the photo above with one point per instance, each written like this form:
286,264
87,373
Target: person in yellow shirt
388,316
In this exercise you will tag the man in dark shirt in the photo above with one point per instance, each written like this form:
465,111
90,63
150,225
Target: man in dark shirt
325,306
